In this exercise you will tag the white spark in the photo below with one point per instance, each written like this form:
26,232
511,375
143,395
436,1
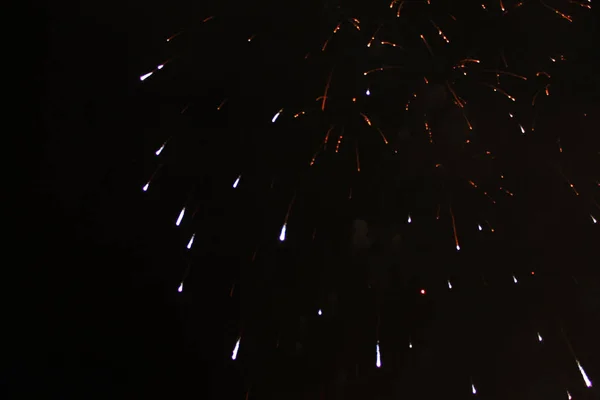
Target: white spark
409,219
449,285
189,245
473,390
540,338
161,66
180,216
146,76
237,181
593,219
510,115
569,395
480,228
282,234
368,92
180,288
588,383
276,116
457,248
235,349
145,188
161,149
378,363
410,344
515,279
522,129
320,312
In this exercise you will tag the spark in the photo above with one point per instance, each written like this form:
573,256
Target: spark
189,245
282,234
180,288
277,115
235,349
454,229
146,76
496,89
515,279
473,389
251,37
587,381
409,219
237,181
320,312
174,36
180,216
440,32
540,338
337,146
564,16
449,285
479,226
569,395
326,90
593,219
368,92
373,37
367,120
522,129
161,149
410,345
145,188
422,291
498,72
299,114
427,44
357,158
208,18
225,101
378,362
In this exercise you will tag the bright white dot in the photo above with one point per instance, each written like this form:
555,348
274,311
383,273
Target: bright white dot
409,344
378,362
540,337
144,77
569,395
522,129
479,227
422,291
510,115
180,288
588,383
189,245
449,285
160,66
235,349
145,188
368,92
180,216
457,248
593,219
282,234
160,150
237,181
320,312
409,219
473,390
515,279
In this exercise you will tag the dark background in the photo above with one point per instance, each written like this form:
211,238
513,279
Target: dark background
93,309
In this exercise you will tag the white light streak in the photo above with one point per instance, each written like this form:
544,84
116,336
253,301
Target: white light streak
368,92
180,288
282,234
457,248
515,279
237,181
588,383
235,349
161,149
145,188
409,219
473,389
161,66
180,216
378,362
146,76
189,245
593,219
276,116
569,395
449,285
479,227
540,338
320,312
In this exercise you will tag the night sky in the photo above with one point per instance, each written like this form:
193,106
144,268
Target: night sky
95,312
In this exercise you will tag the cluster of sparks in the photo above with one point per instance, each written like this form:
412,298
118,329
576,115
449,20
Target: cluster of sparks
336,134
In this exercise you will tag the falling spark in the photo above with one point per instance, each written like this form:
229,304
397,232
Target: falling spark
161,149
326,91
569,395
173,36
282,234
540,338
357,158
449,285
225,101
189,245
378,363
588,383
237,181
423,292
522,129
593,219
180,216
368,92
480,228
473,390
410,346
409,219
515,279
180,288
145,188
251,37
146,76
235,349
454,228
276,115
320,312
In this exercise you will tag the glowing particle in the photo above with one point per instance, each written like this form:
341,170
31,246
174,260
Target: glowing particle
593,219
457,248
540,338
422,291
409,219
449,285
410,346
515,279
161,149
569,395
145,188
588,383
282,234
180,216
160,66
368,92
479,227
146,76
473,389
189,245
522,129
180,288
235,184
277,115
378,362
320,312
235,349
